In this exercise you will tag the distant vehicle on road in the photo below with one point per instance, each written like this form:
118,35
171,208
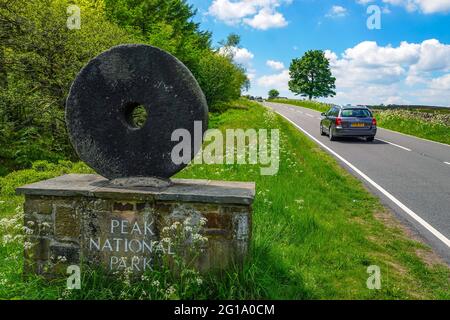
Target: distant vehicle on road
348,121
259,99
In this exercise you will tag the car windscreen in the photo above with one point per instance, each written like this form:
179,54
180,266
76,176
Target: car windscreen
356,113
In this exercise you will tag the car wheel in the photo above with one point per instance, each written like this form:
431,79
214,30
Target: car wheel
321,131
370,139
330,134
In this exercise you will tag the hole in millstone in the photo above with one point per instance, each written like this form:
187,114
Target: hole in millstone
136,115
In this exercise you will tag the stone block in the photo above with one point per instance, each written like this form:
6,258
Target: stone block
118,228
37,248
67,223
64,253
38,205
39,225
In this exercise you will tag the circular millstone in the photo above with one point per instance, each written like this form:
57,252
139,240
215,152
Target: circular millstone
105,98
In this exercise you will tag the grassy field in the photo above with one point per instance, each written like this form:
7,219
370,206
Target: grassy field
318,106
316,230
427,124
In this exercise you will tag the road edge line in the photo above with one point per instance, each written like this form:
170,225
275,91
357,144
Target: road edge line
393,131
411,213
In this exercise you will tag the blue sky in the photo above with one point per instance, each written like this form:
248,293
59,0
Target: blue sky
406,61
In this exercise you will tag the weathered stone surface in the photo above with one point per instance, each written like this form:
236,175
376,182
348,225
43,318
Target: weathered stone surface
38,224
121,239
39,205
104,95
183,190
67,223
123,231
64,253
39,249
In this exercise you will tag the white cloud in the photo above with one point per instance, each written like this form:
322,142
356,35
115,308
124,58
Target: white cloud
424,6
434,56
441,83
240,55
432,6
243,55
369,73
386,10
276,65
266,19
251,76
259,14
277,81
337,12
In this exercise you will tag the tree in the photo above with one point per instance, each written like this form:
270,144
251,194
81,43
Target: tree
220,79
165,24
169,25
311,76
40,57
233,40
273,94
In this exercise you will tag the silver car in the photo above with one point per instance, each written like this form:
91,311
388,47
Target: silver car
348,121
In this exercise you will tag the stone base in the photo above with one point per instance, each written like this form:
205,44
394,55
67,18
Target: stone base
77,219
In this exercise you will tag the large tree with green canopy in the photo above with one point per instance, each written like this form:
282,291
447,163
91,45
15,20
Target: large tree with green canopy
311,76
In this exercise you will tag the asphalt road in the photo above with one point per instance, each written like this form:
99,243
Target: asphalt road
410,175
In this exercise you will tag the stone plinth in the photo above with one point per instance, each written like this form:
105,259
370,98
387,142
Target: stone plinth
77,219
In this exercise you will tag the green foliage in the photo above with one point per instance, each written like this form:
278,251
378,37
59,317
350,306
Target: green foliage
164,24
428,125
220,79
40,170
233,40
311,104
222,107
40,57
168,25
314,235
273,94
311,76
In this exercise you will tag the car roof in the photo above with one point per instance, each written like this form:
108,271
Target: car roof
351,107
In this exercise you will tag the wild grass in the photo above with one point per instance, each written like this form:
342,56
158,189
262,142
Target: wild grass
311,104
429,125
315,232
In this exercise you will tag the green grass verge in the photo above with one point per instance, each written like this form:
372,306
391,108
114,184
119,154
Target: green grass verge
316,230
318,106
433,126
427,124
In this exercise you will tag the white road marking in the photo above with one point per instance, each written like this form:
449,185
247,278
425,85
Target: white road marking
396,145
411,213
391,143
404,134
408,135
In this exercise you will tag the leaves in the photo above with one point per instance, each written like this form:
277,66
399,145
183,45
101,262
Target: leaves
311,76
40,57
273,94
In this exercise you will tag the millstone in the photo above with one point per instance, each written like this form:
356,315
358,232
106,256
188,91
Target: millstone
105,94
